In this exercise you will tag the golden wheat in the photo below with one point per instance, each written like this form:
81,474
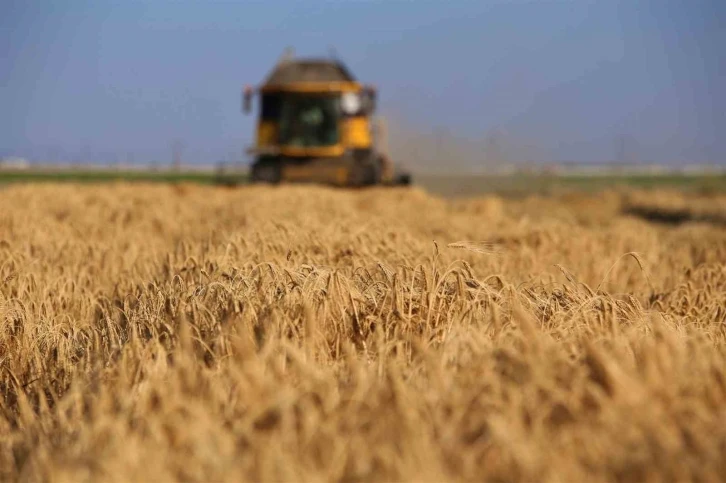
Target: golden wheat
159,333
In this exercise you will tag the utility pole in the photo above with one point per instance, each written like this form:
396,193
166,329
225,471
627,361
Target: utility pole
85,155
176,152
620,149
493,147
439,146
625,149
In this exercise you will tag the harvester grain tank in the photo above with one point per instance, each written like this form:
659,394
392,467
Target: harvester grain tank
315,124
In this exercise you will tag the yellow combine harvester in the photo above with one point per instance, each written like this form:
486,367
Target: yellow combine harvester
315,125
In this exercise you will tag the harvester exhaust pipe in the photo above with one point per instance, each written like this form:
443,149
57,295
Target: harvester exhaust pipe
287,55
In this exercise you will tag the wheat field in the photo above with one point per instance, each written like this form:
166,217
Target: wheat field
300,333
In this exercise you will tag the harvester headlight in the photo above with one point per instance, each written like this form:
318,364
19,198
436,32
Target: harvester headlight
350,103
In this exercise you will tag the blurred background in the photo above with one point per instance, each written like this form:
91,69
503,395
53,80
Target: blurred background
480,84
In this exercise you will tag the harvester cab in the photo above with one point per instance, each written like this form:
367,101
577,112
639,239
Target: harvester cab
316,124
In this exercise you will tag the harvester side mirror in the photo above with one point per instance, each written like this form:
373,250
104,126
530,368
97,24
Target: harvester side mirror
247,100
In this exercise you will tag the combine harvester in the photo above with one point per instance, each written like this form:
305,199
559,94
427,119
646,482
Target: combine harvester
315,125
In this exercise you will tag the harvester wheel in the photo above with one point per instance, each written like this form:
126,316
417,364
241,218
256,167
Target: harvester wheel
268,171
365,174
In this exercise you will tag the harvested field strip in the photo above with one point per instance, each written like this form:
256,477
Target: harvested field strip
676,208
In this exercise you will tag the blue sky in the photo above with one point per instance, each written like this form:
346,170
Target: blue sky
113,80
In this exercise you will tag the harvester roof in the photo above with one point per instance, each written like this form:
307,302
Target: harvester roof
308,70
